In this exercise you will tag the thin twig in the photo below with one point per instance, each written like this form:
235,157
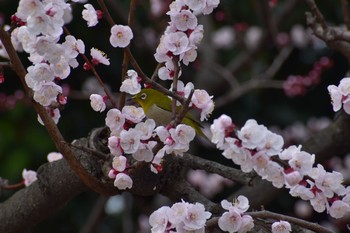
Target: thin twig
196,162
305,224
95,215
346,15
106,13
126,59
245,88
97,76
149,81
12,186
314,9
155,72
184,110
6,64
174,89
276,64
50,125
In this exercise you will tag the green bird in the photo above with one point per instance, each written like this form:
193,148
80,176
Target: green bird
157,106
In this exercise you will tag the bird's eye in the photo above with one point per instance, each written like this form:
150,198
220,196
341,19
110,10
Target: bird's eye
143,96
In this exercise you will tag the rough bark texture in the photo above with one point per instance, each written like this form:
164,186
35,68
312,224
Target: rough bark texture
56,185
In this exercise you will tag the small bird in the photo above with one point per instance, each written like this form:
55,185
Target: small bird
157,106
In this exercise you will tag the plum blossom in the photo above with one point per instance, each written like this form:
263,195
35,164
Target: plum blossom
47,93
176,42
195,217
338,209
234,219
182,216
159,220
99,57
54,156
336,97
302,162
123,181
119,163
340,95
114,146
203,102
130,140
144,152
252,134
115,121
221,127
29,177
133,114
183,20
131,84
90,15
97,102
281,227
120,36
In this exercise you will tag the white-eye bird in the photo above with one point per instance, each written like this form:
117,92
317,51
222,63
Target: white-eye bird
157,106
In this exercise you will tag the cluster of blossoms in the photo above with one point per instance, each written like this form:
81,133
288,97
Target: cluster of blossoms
340,95
234,219
133,136
181,217
182,35
40,27
297,85
254,147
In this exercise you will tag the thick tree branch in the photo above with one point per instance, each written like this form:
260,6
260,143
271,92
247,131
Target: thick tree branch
56,185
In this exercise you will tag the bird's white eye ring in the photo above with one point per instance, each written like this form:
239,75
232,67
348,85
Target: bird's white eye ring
143,96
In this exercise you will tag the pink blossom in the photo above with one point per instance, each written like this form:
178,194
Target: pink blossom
281,227
338,209
159,220
336,97
97,102
133,114
184,20
252,134
115,121
120,36
123,181
131,83
90,15
176,42
129,140
119,163
99,57
203,102
29,177
54,156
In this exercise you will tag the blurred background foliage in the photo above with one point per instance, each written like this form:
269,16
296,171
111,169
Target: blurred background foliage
24,143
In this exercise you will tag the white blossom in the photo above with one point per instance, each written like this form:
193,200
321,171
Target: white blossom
120,36
281,227
123,181
89,15
99,57
115,121
29,177
97,102
54,156
119,163
133,114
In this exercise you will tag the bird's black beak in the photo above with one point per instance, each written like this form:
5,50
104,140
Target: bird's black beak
131,101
